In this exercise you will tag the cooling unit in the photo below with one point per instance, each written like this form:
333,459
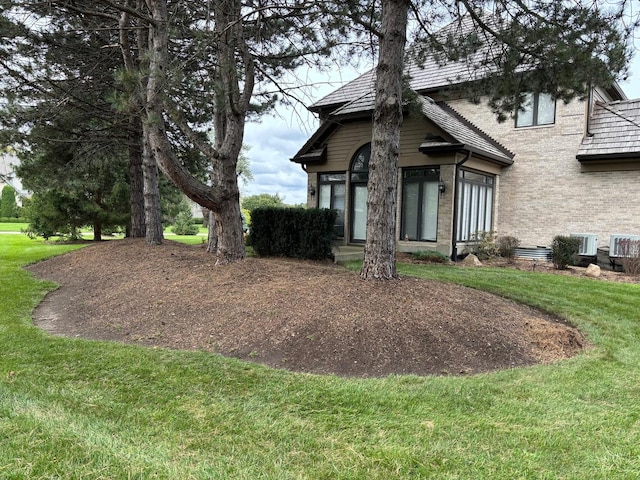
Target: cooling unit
617,247
588,243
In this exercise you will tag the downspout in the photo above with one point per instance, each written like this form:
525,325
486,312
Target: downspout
454,230
589,111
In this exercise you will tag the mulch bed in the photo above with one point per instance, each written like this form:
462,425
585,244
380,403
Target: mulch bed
297,315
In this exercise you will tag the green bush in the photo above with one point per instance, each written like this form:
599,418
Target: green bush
483,245
507,246
8,205
431,256
564,251
13,220
292,232
184,224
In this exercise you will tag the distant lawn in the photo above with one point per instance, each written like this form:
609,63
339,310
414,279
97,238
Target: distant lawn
77,409
12,227
188,239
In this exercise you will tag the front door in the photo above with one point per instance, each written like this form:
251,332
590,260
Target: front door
359,213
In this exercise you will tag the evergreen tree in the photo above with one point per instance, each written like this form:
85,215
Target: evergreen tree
8,204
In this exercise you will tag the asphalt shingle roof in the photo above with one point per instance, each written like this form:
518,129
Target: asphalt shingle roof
425,74
615,131
463,132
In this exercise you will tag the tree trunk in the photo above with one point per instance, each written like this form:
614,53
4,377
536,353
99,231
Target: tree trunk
212,240
153,217
97,223
97,231
137,227
222,196
131,60
228,219
380,247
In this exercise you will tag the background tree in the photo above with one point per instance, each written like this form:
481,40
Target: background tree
238,45
73,185
63,63
8,204
262,200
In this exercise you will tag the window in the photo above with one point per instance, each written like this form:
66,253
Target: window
359,178
538,109
332,191
420,204
475,204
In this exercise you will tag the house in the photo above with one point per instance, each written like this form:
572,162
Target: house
8,176
554,169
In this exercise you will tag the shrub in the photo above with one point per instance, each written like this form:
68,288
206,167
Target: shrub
483,245
507,246
431,256
292,232
564,251
8,205
630,249
184,224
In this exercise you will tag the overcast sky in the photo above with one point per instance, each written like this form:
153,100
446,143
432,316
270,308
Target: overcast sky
276,139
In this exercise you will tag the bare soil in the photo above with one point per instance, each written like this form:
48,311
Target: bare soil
297,315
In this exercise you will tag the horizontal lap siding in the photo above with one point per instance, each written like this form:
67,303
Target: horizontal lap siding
345,141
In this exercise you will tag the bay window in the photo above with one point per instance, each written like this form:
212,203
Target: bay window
475,204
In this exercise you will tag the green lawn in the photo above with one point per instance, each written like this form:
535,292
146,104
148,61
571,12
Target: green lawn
12,227
77,409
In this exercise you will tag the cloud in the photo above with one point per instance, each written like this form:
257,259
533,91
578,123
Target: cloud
275,139
273,142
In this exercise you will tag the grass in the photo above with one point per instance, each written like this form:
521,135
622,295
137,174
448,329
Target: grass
12,227
77,409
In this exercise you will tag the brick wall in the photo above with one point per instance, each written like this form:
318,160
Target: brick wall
547,192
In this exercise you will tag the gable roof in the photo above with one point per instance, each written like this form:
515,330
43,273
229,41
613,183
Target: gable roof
427,75
466,136
614,132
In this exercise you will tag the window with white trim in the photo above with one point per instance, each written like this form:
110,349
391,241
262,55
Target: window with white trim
538,109
475,204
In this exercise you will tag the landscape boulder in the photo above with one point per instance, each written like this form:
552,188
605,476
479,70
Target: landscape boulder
471,260
593,271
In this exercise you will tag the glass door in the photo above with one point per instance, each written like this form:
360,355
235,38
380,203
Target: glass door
359,213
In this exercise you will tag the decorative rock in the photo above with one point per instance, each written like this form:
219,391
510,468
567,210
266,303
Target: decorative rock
592,271
472,260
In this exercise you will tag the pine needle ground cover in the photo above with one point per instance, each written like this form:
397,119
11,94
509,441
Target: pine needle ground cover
71,408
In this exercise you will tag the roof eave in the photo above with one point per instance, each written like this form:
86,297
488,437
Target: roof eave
314,157
461,147
596,157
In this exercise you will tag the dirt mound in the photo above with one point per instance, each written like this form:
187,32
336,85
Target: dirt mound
301,316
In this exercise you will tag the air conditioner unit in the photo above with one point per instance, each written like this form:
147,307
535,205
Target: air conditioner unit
617,249
588,243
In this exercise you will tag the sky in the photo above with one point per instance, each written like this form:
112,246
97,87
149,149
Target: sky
277,138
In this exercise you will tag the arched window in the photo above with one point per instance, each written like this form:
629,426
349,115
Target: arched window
359,175
360,164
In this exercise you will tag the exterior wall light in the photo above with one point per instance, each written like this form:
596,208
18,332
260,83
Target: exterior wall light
441,187
312,190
